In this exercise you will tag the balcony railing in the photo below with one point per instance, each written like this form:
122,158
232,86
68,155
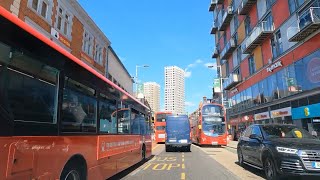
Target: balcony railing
245,6
215,53
231,81
308,22
260,33
228,49
214,3
227,16
214,28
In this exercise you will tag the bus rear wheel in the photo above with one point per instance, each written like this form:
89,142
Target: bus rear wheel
73,171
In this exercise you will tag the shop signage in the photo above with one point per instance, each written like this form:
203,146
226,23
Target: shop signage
274,66
261,116
60,37
247,118
306,111
281,112
234,121
316,120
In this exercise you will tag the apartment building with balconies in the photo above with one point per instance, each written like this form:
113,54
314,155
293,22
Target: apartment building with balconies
67,24
269,55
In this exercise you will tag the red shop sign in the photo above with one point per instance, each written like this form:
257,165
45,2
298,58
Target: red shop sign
234,121
247,118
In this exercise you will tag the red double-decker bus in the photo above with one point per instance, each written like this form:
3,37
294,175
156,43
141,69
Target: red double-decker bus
208,124
160,126
60,119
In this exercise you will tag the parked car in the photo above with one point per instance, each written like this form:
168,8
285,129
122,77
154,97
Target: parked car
177,132
279,150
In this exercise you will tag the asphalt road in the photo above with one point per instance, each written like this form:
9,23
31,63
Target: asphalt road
201,163
195,165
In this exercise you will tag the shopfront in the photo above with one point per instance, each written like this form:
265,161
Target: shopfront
282,116
232,127
307,117
245,121
262,118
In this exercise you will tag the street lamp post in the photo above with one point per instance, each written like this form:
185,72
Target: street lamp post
136,78
220,78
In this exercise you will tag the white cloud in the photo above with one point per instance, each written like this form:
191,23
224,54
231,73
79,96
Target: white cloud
189,104
187,69
199,61
187,74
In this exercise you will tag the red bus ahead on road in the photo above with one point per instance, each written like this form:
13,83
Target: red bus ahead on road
208,124
60,119
160,126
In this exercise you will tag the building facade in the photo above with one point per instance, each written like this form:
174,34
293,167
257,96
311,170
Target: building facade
152,95
174,90
67,24
269,55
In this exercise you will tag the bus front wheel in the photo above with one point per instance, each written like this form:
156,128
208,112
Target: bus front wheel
74,170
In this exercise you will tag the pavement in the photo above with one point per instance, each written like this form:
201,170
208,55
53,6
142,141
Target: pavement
232,144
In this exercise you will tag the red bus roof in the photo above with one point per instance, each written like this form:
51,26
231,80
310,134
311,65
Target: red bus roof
6,14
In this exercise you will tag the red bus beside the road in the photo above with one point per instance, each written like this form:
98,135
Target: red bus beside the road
208,125
160,126
60,119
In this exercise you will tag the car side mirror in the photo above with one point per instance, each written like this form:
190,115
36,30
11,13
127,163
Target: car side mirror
254,136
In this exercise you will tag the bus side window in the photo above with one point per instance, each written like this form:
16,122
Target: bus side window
135,125
124,126
32,86
79,109
108,122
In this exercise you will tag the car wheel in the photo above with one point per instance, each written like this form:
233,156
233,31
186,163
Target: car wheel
270,169
240,157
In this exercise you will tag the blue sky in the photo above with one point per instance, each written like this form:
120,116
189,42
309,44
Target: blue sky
160,33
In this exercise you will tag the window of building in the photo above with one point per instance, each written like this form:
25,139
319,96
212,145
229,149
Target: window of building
236,21
252,65
64,21
98,57
227,69
225,39
235,38
270,3
256,94
294,5
87,45
42,8
276,44
239,54
247,25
